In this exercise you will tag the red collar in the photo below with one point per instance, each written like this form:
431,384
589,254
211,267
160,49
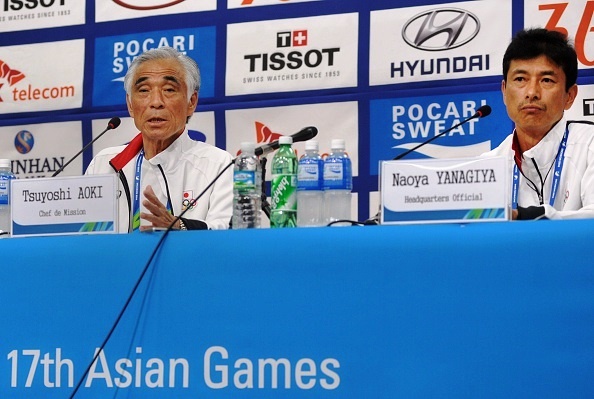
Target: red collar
133,148
517,151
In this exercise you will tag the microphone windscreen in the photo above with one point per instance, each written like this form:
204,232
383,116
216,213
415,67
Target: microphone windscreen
114,122
483,111
305,134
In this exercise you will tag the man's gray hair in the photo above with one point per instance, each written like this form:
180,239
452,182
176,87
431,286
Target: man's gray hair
192,72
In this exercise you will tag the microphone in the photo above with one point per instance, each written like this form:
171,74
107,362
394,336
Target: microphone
307,133
483,111
112,124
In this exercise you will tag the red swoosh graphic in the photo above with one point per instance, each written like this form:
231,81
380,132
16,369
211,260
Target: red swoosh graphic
11,75
264,134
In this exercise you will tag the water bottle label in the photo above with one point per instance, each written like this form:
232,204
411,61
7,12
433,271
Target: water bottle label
308,177
4,192
284,192
244,179
334,176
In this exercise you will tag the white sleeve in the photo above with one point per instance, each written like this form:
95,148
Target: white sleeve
220,202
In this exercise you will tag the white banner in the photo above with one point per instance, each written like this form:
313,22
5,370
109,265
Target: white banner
38,150
38,79
292,54
128,9
264,125
572,18
18,15
442,41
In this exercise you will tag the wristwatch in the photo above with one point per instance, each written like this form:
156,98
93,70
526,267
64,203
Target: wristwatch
182,225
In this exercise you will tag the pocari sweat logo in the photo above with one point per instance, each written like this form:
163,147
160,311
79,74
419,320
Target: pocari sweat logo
114,54
398,125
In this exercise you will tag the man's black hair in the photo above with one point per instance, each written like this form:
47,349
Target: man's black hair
532,43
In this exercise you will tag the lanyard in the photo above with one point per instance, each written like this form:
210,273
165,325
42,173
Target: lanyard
556,174
136,202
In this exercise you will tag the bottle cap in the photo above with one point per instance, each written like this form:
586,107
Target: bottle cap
248,147
285,140
338,144
312,145
4,163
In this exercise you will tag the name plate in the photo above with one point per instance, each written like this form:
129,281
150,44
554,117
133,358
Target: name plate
444,190
63,205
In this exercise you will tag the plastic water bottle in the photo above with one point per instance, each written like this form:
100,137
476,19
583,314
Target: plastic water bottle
247,186
284,185
338,184
6,176
310,187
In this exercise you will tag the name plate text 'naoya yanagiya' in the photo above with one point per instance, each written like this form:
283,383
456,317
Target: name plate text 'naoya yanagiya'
444,190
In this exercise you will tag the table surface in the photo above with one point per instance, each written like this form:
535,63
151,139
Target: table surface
484,310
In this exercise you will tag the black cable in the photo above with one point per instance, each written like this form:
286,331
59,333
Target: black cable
352,222
531,184
141,277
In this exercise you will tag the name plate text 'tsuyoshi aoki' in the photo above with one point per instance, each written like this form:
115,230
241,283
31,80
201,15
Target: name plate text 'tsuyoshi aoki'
64,205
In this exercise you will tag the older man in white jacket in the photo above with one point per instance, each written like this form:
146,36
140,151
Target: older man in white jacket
162,170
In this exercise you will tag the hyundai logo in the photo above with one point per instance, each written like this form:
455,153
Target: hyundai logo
441,29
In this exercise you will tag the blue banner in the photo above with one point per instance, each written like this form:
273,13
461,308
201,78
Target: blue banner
399,124
114,54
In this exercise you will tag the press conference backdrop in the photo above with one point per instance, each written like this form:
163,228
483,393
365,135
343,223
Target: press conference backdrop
365,71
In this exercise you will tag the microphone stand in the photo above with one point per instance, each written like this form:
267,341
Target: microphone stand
265,204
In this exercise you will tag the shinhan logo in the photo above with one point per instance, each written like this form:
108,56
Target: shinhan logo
441,29
23,141
160,4
11,75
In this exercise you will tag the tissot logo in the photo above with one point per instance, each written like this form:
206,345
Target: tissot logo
295,59
16,5
141,5
588,106
291,39
441,29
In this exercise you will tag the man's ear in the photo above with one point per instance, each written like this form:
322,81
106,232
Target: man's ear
571,96
192,104
503,88
129,106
